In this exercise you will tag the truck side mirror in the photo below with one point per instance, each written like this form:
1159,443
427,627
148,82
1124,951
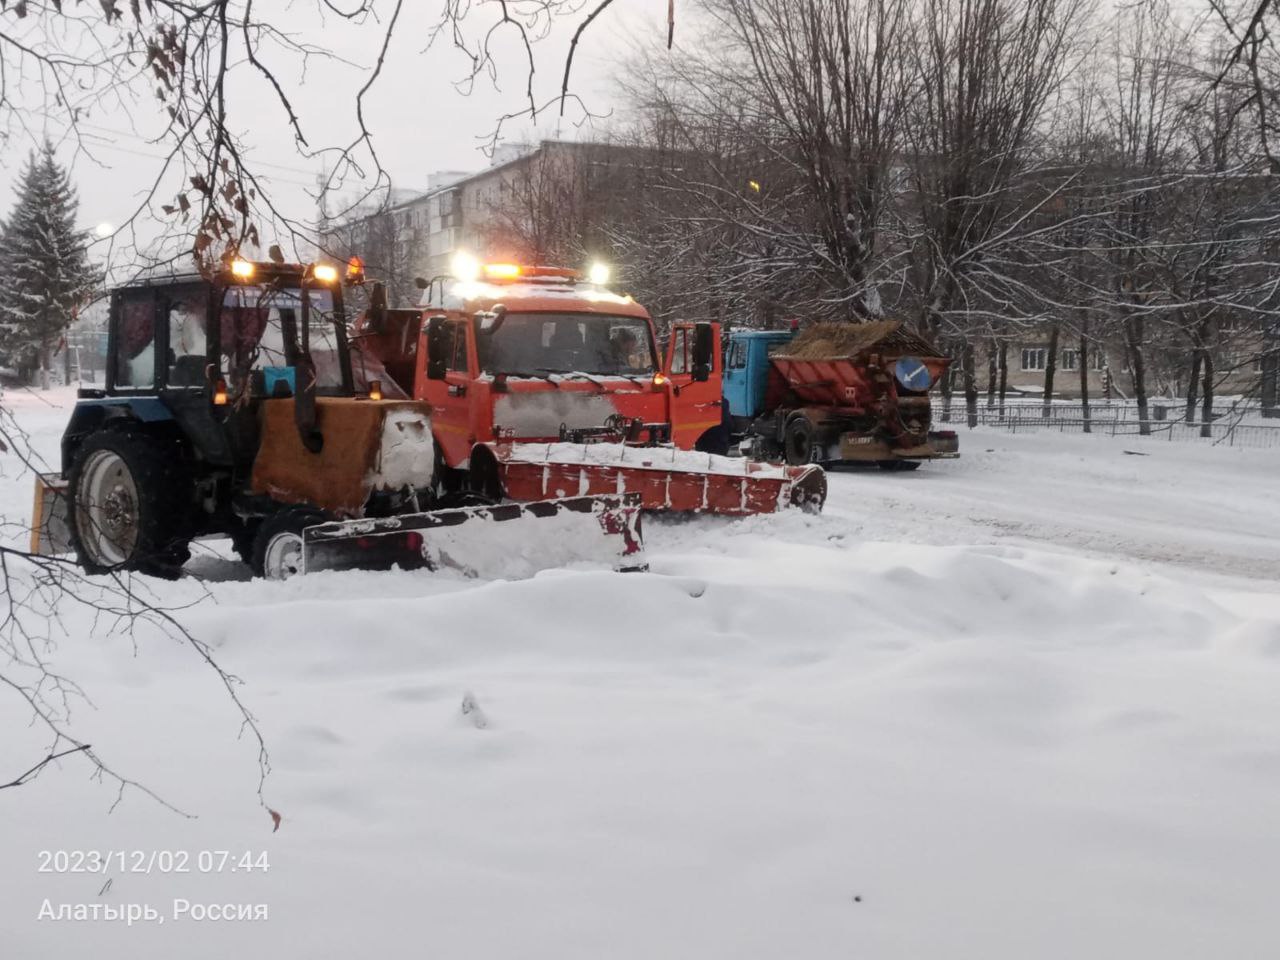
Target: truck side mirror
435,348
378,309
703,346
492,319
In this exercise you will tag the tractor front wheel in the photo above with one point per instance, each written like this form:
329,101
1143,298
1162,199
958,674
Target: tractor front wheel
277,547
127,500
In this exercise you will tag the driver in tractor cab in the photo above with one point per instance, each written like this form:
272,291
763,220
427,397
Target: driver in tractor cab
622,348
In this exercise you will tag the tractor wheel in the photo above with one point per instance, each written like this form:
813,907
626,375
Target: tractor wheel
128,503
797,441
898,464
277,547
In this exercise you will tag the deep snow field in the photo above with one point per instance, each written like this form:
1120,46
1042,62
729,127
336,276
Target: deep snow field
1022,705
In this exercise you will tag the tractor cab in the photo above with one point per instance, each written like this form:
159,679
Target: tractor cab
205,352
230,407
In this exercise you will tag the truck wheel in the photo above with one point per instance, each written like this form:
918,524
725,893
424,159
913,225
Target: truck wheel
797,441
483,477
127,501
898,464
716,440
277,548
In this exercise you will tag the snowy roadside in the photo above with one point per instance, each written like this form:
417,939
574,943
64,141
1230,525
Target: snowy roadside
1020,705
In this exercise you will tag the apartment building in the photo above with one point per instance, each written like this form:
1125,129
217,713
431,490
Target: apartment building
530,202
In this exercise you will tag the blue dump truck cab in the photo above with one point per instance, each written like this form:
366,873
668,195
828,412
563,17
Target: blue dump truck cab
746,372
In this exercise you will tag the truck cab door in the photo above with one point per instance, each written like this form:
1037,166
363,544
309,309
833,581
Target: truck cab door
445,382
695,405
737,376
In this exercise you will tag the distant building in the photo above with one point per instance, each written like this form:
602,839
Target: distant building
534,201
1237,361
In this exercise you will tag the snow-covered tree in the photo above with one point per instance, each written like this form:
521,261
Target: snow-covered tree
45,273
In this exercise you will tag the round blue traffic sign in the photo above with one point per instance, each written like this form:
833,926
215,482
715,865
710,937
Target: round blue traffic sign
912,374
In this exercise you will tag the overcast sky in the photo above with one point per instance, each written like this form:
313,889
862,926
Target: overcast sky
420,121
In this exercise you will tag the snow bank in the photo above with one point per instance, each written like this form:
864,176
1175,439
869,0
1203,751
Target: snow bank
932,722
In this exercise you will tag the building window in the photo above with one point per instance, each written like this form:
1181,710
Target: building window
1097,360
1070,359
1033,358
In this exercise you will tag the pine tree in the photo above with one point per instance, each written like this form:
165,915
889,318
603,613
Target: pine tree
45,274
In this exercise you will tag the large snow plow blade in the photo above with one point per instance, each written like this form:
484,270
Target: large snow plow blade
665,478
509,541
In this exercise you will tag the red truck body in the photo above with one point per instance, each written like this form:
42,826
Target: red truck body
541,385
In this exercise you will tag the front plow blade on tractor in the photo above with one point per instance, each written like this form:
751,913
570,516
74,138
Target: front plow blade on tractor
509,541
664,478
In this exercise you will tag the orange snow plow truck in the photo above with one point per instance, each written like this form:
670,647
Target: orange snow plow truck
545,384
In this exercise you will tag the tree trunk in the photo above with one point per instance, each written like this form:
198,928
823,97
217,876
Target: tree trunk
1050,368
1193,384
948,382
1206,416
1004,374
46,359
1270,362
970,385
992,373
1084,375
1137,364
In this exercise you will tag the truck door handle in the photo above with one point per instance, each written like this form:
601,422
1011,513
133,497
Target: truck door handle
457,390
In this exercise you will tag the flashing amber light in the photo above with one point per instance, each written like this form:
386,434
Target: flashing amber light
599,274
242,269
325,273
754,185
355,271
659,379
220,394
502,271
375,389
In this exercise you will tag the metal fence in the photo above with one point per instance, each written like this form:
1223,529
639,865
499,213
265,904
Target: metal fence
1121,420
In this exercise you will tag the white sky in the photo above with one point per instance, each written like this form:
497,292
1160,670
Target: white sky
420,121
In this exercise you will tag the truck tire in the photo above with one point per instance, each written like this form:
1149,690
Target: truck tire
128,502
277,547
797,440
716,440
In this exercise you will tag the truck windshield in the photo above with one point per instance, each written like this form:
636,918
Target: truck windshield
253,333
536,344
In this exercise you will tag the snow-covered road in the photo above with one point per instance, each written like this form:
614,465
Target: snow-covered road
1019,705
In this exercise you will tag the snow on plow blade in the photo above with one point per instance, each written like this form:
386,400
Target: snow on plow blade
511,540
664,478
